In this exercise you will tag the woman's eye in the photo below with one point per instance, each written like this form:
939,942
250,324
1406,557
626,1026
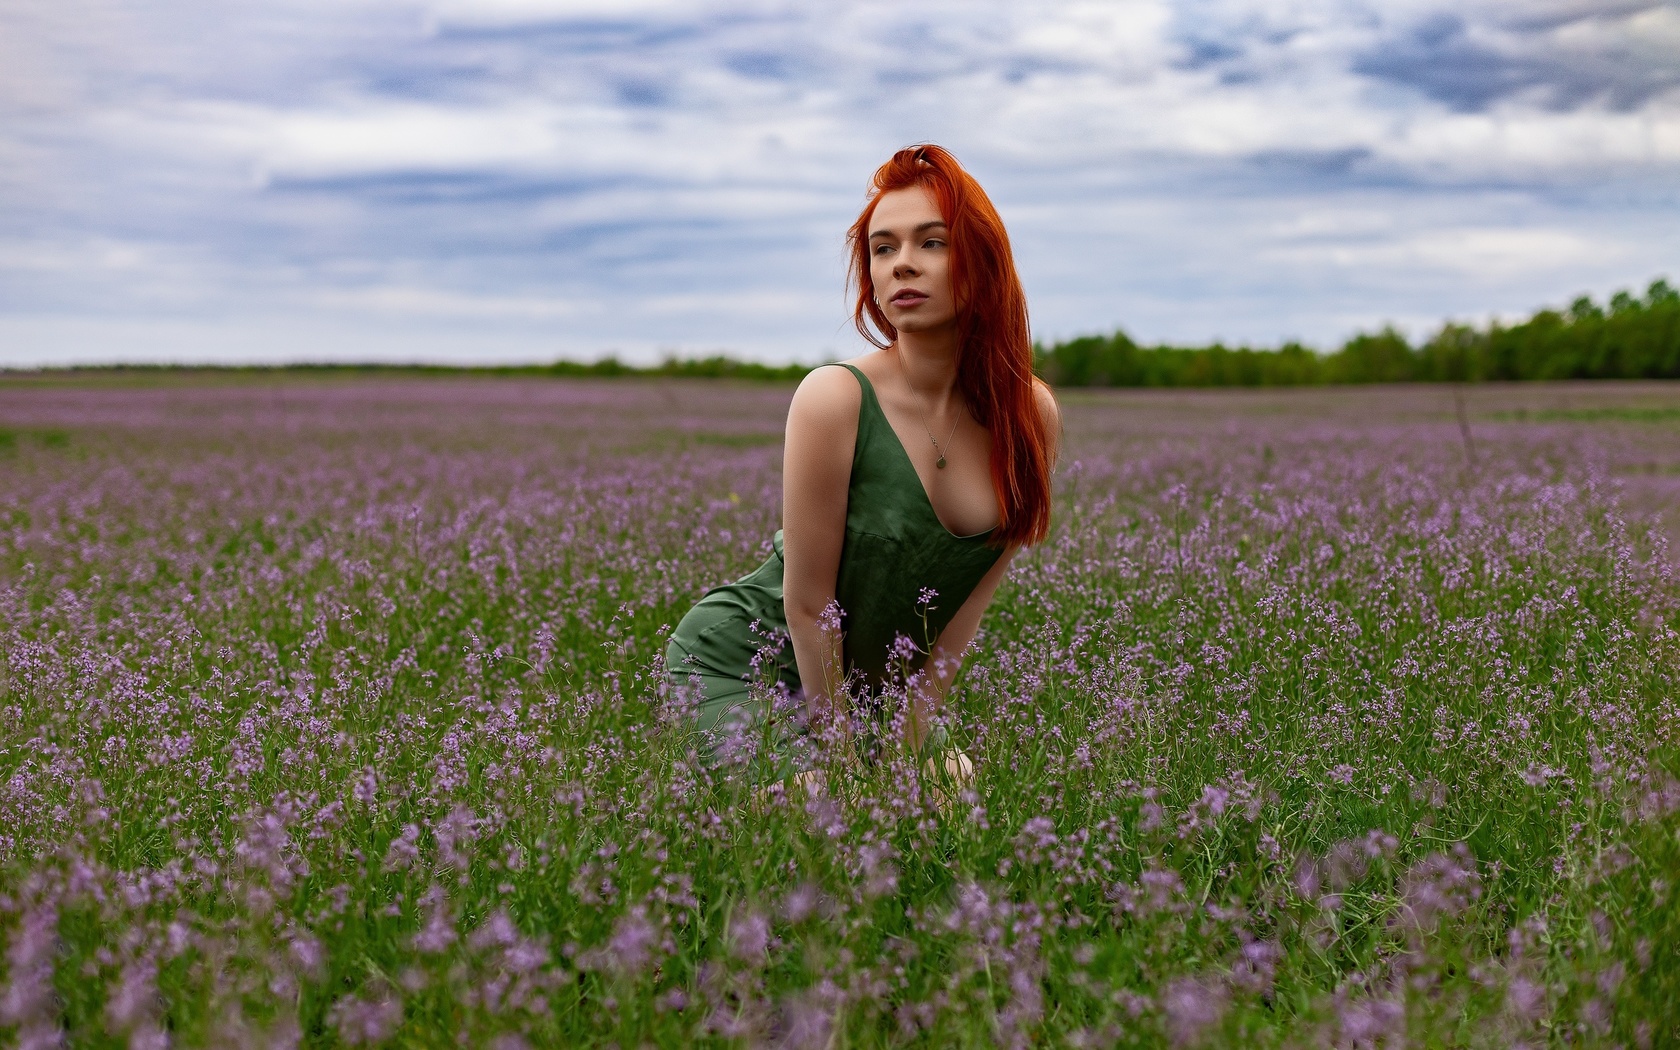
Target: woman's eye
882,249
933,242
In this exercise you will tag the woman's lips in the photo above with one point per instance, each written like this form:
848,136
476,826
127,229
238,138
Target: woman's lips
909,299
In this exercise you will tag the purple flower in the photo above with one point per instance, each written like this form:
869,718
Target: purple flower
134,1001
28,1000
1441,885
1525,999
404,850
366,1021
630,949
1192,1006
749,937
1255,966
1371,1022
800,903
437,931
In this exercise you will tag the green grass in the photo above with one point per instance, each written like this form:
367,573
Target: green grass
1609,413
13,440
340,722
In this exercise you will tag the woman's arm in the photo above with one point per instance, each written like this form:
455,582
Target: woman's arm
928,688
945,660
816,474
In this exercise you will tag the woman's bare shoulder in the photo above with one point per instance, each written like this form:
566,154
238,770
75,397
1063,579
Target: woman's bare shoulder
828,399
1048,406
1050,410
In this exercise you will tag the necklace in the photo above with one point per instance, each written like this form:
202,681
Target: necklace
922,414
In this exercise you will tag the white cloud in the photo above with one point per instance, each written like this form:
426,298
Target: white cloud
420,302
652,173
1485,255
528,12
1125,40
404,137
1513,141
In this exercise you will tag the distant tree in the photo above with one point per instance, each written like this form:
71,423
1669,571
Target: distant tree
1385,357
1632,337
1455,354
1295,365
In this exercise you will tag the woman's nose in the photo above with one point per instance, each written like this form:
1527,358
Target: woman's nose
904,267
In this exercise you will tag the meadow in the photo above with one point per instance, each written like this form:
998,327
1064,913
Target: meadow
331,714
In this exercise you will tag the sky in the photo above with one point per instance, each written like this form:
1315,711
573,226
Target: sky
485,181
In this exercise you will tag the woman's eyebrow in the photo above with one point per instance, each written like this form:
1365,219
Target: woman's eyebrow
930,224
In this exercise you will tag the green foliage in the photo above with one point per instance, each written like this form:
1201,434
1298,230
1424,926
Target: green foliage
1631,338
720,367
717,366
11,440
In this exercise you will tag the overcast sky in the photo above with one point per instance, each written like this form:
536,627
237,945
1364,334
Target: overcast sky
496,180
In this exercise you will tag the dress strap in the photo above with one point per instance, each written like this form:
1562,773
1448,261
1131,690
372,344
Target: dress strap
862,379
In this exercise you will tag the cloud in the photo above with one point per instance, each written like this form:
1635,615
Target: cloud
677,174
1484,255
1618,57
402,137
609,12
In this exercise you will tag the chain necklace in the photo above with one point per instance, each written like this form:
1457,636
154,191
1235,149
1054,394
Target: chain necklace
922,414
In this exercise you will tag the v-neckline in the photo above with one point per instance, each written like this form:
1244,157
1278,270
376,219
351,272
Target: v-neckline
904,454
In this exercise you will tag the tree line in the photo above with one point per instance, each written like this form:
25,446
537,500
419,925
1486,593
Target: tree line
1631,337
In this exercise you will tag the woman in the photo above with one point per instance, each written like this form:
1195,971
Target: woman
911,475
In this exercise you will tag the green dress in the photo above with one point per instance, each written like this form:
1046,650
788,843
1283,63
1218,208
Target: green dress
733,644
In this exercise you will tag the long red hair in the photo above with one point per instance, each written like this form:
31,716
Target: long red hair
994,371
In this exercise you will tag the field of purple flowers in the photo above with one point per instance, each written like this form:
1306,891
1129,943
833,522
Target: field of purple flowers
330,714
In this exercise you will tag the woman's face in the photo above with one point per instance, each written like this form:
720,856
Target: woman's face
910,261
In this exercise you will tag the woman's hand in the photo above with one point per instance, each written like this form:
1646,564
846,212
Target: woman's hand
948,775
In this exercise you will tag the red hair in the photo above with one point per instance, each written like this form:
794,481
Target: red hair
994,369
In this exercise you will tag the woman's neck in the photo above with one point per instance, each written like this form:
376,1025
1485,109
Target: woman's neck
929,360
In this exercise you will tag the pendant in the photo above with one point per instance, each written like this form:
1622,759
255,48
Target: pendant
941,463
